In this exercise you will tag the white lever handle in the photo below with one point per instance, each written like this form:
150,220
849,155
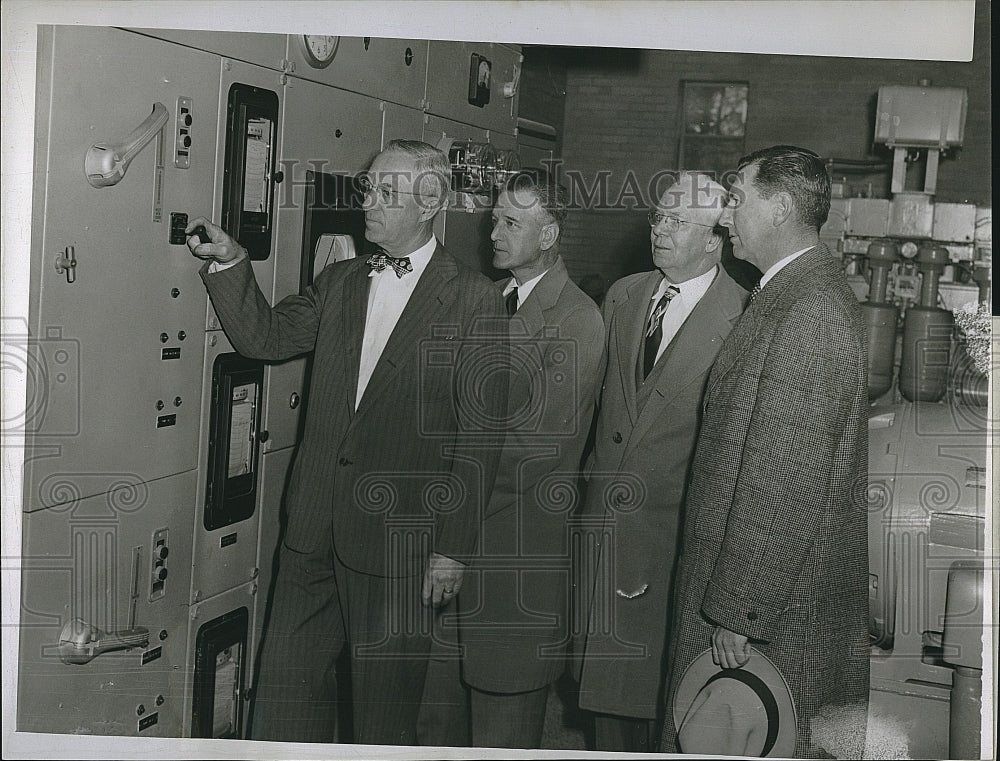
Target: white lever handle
80,642
106,163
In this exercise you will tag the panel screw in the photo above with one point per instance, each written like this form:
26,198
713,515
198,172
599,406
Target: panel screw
175,292
159,404
178,401
164,338
159,700
140,709
163,634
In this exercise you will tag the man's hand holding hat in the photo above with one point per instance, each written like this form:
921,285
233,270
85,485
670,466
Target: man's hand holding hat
729,649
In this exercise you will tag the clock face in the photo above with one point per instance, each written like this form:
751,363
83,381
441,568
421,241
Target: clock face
319,49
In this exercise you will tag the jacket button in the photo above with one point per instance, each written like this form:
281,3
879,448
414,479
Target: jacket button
617,438
751,616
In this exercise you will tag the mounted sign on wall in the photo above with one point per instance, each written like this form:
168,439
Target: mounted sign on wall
480,74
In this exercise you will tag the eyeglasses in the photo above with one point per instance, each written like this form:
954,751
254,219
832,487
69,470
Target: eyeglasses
670,223
385,193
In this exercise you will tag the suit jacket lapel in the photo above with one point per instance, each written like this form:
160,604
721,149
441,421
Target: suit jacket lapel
688,359
428,298
743,336
354,311
630,322
543,297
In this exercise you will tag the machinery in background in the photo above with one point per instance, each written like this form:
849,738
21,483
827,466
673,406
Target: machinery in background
911,261
922,257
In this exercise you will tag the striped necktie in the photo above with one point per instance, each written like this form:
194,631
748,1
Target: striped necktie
654,331
754,293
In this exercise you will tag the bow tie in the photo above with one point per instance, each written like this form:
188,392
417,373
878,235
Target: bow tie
379,261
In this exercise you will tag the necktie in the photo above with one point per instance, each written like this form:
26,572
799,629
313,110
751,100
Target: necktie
754,293
511,302
380,260
654,331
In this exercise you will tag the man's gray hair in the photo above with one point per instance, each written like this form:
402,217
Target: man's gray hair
431,165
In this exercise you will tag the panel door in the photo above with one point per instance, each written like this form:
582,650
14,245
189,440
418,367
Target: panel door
98,559
115,362
448,74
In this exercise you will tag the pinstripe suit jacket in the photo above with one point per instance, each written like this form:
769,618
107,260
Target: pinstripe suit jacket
642,454
388,468
515,633
775,532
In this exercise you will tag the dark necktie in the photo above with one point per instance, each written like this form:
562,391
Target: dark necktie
380,260
511,302
654,331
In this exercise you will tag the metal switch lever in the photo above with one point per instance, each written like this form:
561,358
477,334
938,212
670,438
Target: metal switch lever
80,642
105,163
66,262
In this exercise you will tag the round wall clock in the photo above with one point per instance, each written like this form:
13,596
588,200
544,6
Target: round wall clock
319,49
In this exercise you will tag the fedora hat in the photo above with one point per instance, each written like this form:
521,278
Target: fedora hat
747,711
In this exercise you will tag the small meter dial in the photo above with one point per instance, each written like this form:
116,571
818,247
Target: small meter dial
909,249
319,49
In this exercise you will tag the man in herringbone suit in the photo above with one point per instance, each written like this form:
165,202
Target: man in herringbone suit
396,461
774,550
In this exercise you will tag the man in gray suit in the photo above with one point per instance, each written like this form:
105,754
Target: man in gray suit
514,606
665,328
397,457
775,550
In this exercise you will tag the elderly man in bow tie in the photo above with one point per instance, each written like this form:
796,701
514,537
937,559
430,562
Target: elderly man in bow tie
397,458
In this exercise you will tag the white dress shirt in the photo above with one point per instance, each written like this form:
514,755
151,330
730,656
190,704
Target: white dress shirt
387,297
775,268
522,290
681,305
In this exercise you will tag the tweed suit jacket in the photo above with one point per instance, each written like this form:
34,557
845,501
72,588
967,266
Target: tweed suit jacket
636,489
775,533
388,469
515,599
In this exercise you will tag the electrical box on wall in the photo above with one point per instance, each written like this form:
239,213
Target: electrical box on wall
921,116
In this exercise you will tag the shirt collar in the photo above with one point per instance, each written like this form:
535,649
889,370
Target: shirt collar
690,289
524,288
776,267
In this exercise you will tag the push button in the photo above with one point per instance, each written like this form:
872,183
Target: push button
617,438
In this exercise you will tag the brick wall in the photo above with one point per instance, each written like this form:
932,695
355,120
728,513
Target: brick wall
622,114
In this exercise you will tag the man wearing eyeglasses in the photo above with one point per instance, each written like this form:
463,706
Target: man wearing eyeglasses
665,328
396,460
